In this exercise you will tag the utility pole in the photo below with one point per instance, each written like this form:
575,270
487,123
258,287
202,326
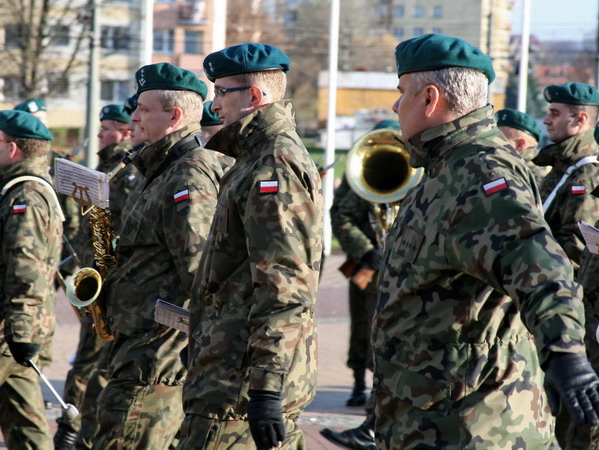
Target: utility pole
219,25
93,96
524,46
147,18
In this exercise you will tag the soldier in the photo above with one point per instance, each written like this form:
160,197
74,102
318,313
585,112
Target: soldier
252,345
30,236
210,122
523,132
452,368
35,106
114,140
158,252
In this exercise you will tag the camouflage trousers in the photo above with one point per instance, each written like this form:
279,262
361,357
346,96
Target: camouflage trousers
132,415
361,310
22,412
89,409
86,361
199,432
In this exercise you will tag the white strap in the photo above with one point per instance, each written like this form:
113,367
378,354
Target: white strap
40,180
581,162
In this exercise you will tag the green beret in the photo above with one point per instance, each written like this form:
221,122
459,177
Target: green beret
131,103
515,119
168,77
596,133
32,105
115,112
209,117
244,58
571,94
394,124
437,51
21,124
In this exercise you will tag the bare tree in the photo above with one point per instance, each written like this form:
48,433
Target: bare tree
42,43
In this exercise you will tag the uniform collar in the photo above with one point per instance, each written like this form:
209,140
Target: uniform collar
37,166
563,155
239,139
430,145
152,156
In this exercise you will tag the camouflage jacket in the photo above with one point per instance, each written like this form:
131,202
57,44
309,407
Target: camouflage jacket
31,239
588,277
252,305
474,221
539,172
573,202
162,238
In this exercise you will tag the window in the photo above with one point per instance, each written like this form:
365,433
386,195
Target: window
12,88
12,35
398,32
399,11
193,42
61,36
419,11
437,12
57,85
164,41
382,11
114,90
418,31
437,30
115,38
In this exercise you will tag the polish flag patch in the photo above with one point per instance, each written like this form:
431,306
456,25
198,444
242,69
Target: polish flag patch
180,196
19,209
578,190
494,186
268,187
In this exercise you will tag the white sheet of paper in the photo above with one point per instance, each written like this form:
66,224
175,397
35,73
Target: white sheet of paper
171,315
591,236
74,179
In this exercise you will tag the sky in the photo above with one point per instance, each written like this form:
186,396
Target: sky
550,19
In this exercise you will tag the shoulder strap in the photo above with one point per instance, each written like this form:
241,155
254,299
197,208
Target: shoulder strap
569,170
40,180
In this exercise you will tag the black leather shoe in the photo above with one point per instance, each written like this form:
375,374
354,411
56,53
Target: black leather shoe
361,437
357,398
64,439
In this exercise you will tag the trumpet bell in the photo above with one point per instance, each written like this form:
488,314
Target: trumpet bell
377,167
84,287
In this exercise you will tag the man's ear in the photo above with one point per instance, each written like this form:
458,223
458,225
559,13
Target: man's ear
257,99
582,118
176,116
520,143
432,98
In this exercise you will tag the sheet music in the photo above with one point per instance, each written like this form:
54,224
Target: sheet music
82,182
591,236
171,315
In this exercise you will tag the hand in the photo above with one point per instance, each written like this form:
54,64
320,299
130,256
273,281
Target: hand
184,356
363,277
373,259
265,416
569,378
22,352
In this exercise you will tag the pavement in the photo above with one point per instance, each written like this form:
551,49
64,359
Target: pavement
334,378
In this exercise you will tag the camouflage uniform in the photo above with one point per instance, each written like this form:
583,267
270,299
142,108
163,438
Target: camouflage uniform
31,242
252,308
538,172
454,367
88,350
570,207
159,249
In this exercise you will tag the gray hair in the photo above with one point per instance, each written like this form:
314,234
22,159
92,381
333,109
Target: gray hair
190,102
464,90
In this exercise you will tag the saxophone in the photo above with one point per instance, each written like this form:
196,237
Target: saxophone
84,289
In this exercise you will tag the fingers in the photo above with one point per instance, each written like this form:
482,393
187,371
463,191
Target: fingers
554,400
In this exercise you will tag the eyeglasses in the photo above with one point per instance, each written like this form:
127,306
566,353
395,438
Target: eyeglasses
5,141
219,92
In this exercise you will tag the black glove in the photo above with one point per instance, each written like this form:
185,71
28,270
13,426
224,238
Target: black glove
184,356
22,352
265,416
569,378
373,259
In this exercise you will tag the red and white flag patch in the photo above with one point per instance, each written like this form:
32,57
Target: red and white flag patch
180,196
18,209
578,190
268,187
494,186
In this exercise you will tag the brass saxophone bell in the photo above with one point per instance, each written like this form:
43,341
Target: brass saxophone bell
84,287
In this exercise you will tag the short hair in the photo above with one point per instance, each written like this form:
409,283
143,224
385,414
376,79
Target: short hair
512,134
273,81
190,102
464,90
31,147
591,110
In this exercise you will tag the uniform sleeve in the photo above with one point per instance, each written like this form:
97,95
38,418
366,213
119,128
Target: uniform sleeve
187,216
25,249
502,239
283,233
573,207
349,215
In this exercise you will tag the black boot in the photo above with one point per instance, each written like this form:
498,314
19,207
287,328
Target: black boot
64,439
361,437
358,396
